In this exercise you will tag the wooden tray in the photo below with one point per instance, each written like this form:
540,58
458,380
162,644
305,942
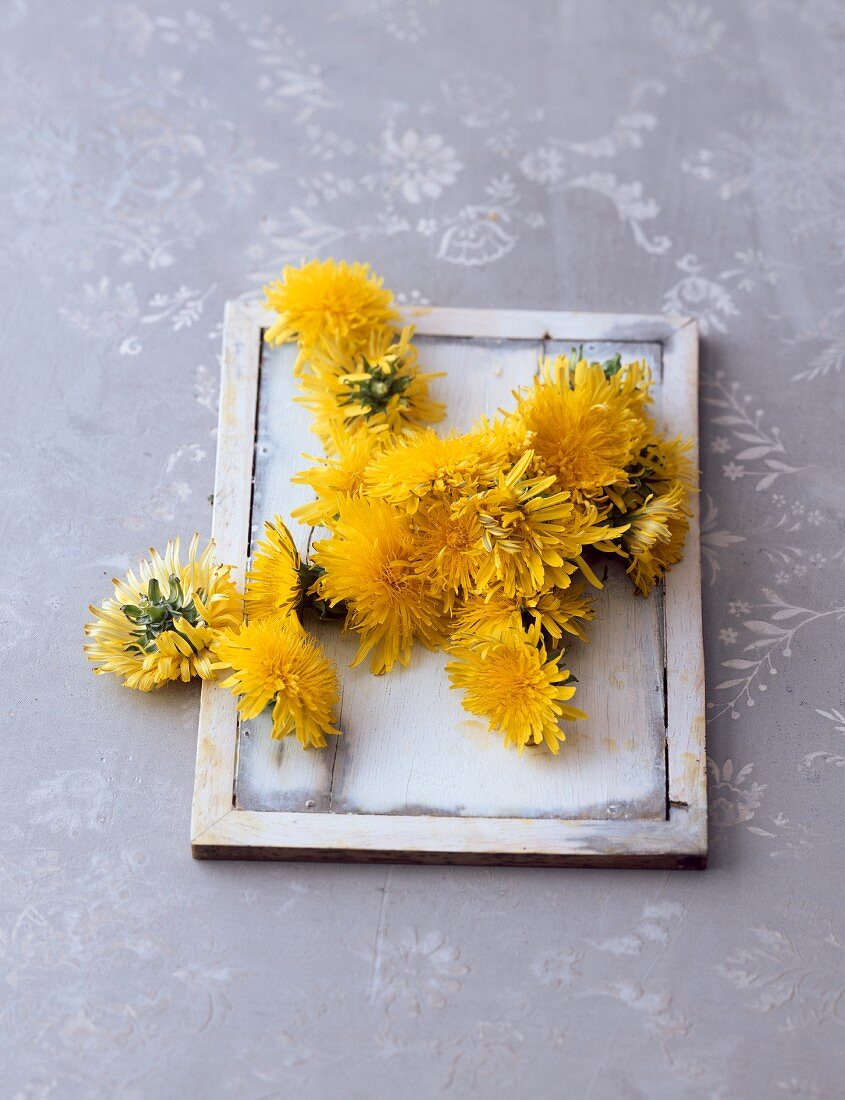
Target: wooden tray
415,777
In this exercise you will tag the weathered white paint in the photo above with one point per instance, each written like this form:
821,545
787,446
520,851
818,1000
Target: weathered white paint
409,748
217,742
408,745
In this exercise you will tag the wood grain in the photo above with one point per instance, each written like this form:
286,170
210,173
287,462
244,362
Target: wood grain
429,839
217,743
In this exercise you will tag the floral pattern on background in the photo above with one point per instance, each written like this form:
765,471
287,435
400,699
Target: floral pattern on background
156,162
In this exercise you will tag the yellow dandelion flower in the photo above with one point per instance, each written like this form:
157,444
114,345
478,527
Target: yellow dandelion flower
558,611
655,504
584,427
422,464
664,461
274,661
533,540
378,388
449,549
519,690
274,582
503,435
551,612
487,618
369,565
655,538
632,381
160,623
328,300
339,476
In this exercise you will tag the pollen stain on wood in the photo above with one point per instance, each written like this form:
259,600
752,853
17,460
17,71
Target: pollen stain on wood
692,767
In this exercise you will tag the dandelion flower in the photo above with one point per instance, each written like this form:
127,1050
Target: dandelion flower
655,539
487,617
584,427
533,540
559,611
663,461
519,690
274,661
274,583
337,476
552,612
503,435
328,300
449,549
369,565
160,623
425,463
655,504
378,387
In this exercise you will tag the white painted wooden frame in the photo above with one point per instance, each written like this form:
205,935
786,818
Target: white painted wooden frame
219,830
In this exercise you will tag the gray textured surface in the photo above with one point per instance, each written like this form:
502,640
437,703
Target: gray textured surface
680,156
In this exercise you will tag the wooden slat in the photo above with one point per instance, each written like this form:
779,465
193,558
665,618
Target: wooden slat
283,434
244,834
684,649
217,743
523,324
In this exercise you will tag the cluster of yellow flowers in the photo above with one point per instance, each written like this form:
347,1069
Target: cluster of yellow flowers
478,543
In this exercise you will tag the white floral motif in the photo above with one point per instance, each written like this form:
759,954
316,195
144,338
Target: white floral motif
626,133
812,760
797,971
290,238
734,798
97,917
771,636
170,493
403,22
829,329
72,802
713,539
14,628
191,32
558,968
689,30
478,235
543,165
420,167
182,308
418,972
288,78
631,206
791,839
488,1054
103,311
704,298
654,926
791,161
207,388
659,1016
483,101
757,444
236,164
